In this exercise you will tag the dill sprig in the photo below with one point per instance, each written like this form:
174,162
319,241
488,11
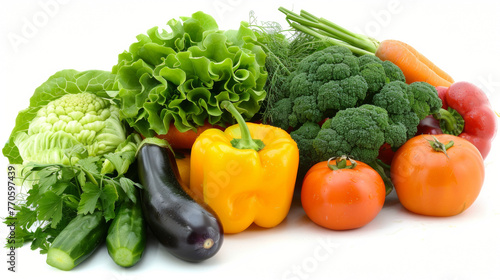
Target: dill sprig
284,48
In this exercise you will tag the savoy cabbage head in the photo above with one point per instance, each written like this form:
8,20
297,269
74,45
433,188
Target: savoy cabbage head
71,117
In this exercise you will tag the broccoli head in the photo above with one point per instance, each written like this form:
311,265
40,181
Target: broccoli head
407,104
425,98
334,79
377,73
358,132
394,98
322,64
373,72
323,83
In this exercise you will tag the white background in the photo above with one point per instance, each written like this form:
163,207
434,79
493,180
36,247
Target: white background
38,38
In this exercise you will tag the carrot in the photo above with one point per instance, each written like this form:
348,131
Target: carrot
415,66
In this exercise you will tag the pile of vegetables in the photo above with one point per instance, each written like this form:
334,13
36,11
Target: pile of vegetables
73,153
199,132
366,103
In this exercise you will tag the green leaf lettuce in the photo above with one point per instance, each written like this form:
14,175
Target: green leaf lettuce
181,76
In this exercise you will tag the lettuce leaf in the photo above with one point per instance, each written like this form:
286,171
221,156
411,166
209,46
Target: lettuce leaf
181,76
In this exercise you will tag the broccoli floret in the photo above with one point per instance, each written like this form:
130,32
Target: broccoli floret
425,99
395,136
323,83
305,108
304,137
373,72
394,98
358,132
393,72
339,95
334,55
410,121
408,104
280,112
377,73
367,59
302,85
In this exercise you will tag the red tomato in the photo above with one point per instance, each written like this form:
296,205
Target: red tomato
433,183
344,198
184,140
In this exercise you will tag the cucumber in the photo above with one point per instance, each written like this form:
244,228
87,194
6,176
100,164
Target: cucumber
189,230
126,239
77,241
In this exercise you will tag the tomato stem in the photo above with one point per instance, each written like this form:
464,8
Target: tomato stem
440,147
341,163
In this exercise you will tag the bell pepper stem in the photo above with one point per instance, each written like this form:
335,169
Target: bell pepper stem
246,141
450,121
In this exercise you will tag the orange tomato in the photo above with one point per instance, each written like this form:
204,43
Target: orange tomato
342,199
433,183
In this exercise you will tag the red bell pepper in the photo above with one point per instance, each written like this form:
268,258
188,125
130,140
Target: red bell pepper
466,113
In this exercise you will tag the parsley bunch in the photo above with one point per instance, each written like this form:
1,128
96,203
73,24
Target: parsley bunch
60,192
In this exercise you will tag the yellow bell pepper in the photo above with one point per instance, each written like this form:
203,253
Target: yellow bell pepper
246,173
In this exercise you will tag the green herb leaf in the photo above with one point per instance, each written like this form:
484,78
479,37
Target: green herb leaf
40,240
48,177
22,236
89,198
89,164
25,216
128,187
109,196
33,196
116,160
81,178
71,201
50,208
